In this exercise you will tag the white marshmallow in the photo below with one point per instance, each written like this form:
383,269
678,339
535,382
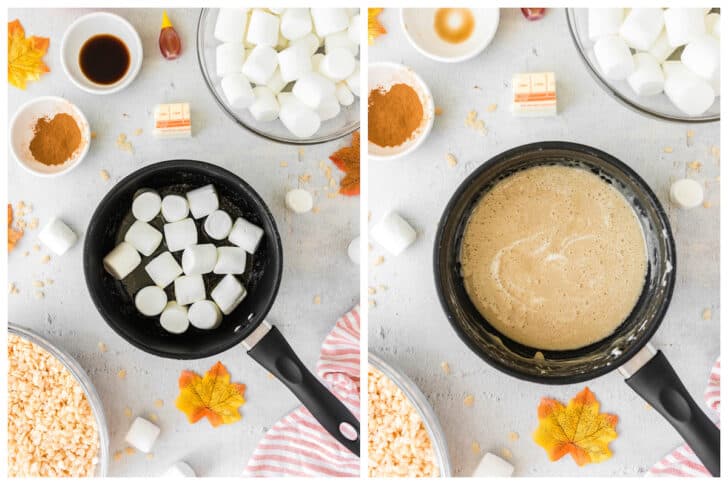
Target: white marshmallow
393,233
175,208
702,56
263,28
203,201
150,301
163,269
661,49
260,64
174,318
57,236
245,235
316,61
181,234
230,24
276,82
340,40
688,92
299,200
647,78
354,30
353,80
218,225
312,88
604,21
310,41
146,205
189,289
337,64
294,61
230,260
122,260
614,57
686,193
295,23
641,27
204,315
199,259
329,20
179,470
237,90
142,434
265,107
712,24
300,120
353,251
493,466
344,94
228,294
329,108
145,238
229,58
683,24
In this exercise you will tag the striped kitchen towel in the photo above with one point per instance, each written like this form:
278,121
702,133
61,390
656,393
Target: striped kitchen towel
682,462
297,445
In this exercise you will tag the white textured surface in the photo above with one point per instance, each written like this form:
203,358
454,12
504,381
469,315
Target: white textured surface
407,326
314,247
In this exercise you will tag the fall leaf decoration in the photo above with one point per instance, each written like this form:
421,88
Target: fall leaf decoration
374,28
213,396
14,234
578,429
346,159
25,55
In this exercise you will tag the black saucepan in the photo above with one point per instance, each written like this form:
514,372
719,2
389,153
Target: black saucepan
114,299
647,372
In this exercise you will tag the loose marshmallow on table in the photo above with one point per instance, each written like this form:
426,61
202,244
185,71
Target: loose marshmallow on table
228,294
493,466
340,40
230,260
218,225
614,57
686,193
181,234
344,94
329,20
146,205
354,30
179,470
237,90
203,201
295,23
265,107
299,200
122,260
204,315
661,49
690,93
189,289
353,250
57,236
338,64
263,28
329,108
312,88
175,208
641,27
174,318
150,301
647,78
229,58
298,118
260,64
683,25
702,56
294,61
142,434
163,269
230,24
393,233
144,237
199,259
245,235
604,21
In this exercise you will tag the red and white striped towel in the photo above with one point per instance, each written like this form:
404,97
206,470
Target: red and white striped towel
682,462
297,445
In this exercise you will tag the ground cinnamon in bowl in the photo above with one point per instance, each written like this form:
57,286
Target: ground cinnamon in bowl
394,115
55,140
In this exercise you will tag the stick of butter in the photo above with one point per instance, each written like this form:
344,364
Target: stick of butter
534,94
172,120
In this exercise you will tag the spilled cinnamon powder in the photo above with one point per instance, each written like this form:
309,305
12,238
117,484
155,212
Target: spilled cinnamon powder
394,115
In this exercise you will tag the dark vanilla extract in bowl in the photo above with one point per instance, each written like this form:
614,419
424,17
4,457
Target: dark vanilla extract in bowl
104,59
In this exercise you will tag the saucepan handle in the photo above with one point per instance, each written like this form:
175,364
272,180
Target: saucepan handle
272,351
659,385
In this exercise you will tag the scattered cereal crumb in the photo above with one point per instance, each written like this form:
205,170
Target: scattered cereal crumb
507,454
715,151
469,400
39,295
33,224
26,253
451,160
129,450
475,447
372,303
153,417
104,175
305,178
316,209
49,281
372,290
492,107
270,376
138,131
707,314
513,436
150,456
438,110
36,247
12,289
301,152
317,300
123,144
284,164
331,195
379,261
93,135
667,149
707,204
690,133
45,259
118,455
695,165
445,367
158,403
121,374
647,406
382,287
127,412
38,284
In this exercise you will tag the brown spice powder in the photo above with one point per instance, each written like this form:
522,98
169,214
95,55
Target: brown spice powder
394,115
55,140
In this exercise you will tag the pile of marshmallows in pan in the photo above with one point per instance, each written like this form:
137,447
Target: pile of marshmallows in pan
274,49
180,234
642,46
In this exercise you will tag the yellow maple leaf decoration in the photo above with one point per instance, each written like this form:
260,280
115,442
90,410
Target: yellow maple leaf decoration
25,55
374,28
212,396
578,429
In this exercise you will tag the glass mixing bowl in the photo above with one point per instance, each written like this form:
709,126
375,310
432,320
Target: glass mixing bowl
344,124
88,388
657,106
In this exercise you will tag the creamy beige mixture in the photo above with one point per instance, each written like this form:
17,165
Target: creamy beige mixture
554,258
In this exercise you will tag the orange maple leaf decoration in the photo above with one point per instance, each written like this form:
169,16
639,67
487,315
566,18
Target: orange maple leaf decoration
347,159
578,429
14,234
374,28
213,396
25,55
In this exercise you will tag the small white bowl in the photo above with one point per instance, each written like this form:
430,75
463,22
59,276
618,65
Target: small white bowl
383,75
83,29
21,134
419,26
